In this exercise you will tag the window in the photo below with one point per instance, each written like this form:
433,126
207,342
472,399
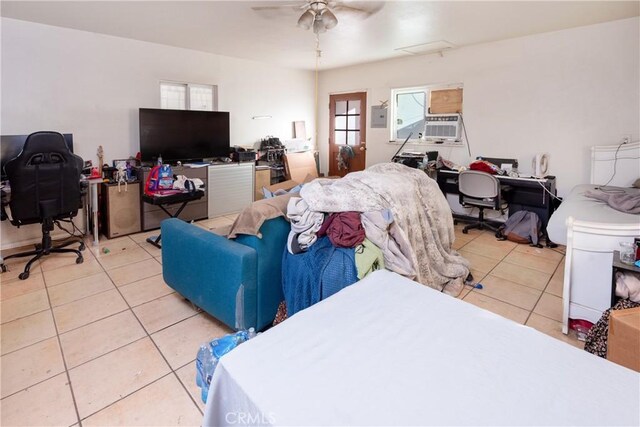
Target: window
347,122
173,96
409,113
409,107
188,96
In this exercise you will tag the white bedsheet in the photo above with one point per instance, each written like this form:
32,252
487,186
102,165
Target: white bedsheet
388,351
584,208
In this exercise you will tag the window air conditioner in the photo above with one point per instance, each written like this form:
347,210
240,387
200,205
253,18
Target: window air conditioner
442,127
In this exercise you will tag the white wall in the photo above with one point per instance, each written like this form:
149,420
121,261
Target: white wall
559,92
92,85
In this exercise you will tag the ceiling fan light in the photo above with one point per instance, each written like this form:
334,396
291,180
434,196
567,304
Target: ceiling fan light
319,26
329,19
306,20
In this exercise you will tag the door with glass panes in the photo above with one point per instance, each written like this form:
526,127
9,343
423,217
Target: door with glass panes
347,133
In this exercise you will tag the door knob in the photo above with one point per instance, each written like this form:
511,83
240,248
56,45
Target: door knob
363,148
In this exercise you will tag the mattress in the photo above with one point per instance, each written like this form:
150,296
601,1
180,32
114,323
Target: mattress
389,351
584,208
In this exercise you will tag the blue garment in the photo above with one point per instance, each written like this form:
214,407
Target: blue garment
314,275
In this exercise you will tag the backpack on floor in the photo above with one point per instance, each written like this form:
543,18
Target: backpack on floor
521,227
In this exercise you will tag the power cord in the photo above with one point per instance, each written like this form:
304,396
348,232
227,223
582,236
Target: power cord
70,233
547,190
603,188
464,129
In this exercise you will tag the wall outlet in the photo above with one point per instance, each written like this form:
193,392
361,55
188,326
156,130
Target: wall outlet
626,139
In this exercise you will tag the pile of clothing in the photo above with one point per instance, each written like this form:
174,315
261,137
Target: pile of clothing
324,254
388,216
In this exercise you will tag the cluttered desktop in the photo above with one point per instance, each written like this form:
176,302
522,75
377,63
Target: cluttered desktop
527,192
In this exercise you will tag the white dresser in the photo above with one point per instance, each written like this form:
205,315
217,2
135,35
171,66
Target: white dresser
230,188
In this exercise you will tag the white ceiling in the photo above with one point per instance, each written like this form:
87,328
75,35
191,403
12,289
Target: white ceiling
233,28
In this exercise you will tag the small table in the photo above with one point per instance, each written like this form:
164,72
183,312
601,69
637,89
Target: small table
93,206
163,201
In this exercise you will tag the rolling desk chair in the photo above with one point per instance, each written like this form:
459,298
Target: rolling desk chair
45,188
481,190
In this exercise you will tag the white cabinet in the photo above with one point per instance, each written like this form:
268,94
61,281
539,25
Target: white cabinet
230,188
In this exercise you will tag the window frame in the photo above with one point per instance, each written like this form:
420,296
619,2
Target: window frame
415,139
394,110
188,87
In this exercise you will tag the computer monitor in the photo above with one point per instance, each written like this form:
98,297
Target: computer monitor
11,146
501,162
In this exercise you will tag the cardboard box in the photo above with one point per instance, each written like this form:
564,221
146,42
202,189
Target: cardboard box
298,166
445,101
623,346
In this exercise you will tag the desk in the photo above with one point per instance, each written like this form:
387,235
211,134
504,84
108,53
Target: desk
163,201
526,194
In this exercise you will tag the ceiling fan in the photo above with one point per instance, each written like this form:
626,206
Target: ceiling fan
320,15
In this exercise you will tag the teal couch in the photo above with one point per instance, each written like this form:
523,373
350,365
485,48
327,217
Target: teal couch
239,282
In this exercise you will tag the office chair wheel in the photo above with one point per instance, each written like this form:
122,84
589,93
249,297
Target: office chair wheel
24,275
4,268
82,247
79,260
465,231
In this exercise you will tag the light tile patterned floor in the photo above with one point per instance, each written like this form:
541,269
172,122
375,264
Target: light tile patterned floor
107,342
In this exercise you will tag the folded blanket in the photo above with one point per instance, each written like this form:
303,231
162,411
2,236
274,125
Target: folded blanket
628,202
253,216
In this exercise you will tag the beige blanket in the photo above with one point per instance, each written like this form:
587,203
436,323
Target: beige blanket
253,216
419,209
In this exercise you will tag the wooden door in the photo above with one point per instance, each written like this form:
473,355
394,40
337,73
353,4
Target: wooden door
347,128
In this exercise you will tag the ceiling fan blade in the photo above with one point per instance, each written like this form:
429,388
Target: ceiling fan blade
284,6
359,8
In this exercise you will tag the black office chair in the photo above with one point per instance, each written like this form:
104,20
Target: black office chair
45,188
481,190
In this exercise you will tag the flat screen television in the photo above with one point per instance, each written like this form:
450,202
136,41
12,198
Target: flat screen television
183,135
11,146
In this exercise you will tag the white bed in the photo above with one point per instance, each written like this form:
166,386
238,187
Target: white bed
389,351
592,230
586,209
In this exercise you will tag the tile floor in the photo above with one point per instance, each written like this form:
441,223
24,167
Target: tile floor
101,343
